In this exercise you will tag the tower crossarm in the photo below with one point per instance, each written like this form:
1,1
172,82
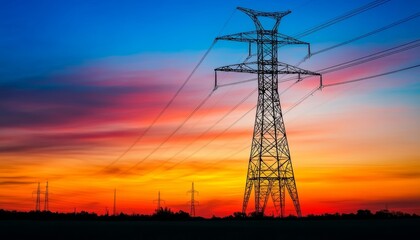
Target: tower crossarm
255,13
285,39
246,67
240,37
251,37
252,67
284,68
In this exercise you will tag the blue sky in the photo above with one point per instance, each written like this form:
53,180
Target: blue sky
42,36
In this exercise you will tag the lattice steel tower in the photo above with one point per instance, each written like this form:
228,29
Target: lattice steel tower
193,202
46,200
159,201
270,170
38,198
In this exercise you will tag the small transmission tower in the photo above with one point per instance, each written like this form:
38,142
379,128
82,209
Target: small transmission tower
46,203
192,202
270,170
158,201
38,199
115,202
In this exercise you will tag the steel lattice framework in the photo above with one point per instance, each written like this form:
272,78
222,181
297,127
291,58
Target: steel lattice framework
193,202
270,170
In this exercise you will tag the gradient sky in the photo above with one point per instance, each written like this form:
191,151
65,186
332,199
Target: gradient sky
80,81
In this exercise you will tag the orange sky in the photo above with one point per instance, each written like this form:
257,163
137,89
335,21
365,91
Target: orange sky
353,146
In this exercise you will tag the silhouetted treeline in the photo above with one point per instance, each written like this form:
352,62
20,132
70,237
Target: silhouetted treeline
167,214
365,214
161,214
360,214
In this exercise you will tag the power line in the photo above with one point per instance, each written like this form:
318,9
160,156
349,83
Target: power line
374,56
218,135
328,23
240,118
337,19
211,127
314,29
330,69
300,101
309,95
369,33
342,44
172,133
307,32
173,98
342,17
370,77
337,67
367,58
206,131
163,109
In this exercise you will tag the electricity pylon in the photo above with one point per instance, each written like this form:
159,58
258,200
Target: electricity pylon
270,170
38,199
115,202
192,202
159,200
46,203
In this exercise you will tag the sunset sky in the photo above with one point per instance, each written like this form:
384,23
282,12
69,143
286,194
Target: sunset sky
81,81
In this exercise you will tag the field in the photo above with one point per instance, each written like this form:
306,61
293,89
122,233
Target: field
206,229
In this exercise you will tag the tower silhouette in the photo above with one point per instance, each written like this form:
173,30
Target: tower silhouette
115,202
270,170
158,201
38,198
192,202
46,203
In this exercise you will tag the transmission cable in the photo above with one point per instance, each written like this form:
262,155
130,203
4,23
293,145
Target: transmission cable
370,77
369,33
374,56
367,58
225,130
311,93
173,97
218,135
338,45
206,131
172,133
306,97
337,19
341,18
394,24
307,32
163,109
326,70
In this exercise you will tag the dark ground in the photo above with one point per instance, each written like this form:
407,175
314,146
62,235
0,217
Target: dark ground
205,229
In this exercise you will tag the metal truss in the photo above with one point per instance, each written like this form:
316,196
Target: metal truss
270,171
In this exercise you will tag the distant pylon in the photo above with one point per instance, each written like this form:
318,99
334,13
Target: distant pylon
38,199
115,202
192,202
158,201
46,203
270,171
